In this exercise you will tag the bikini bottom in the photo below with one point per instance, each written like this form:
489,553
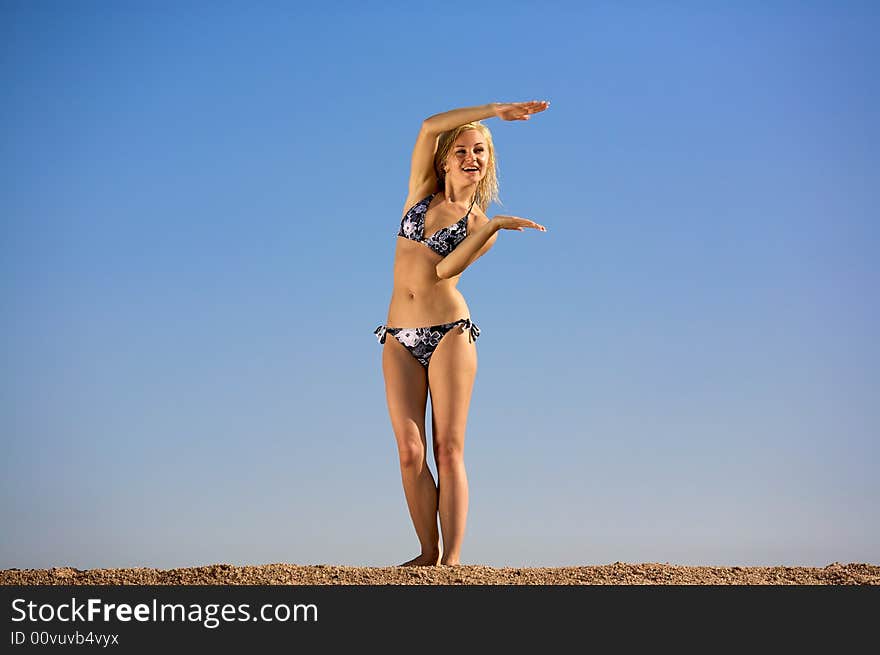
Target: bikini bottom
421,342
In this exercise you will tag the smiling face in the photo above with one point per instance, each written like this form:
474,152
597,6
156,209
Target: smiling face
466,147
468,158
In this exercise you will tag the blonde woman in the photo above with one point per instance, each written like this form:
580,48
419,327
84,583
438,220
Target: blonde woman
443,231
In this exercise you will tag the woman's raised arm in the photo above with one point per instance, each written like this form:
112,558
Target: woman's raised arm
421,174
508,111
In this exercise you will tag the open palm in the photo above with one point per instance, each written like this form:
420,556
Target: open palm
519,111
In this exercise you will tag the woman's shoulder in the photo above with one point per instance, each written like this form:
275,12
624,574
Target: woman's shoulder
477,218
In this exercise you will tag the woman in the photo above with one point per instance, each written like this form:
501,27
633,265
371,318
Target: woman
443,231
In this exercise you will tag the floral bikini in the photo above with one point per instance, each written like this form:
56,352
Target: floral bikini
421,342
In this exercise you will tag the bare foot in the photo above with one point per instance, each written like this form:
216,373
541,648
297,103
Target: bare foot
423,560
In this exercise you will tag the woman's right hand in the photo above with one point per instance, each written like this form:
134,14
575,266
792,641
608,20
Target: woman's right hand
518,111
516,223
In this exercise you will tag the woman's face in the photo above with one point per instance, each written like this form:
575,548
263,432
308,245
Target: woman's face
468,158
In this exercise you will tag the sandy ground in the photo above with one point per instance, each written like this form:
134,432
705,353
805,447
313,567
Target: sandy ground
618,573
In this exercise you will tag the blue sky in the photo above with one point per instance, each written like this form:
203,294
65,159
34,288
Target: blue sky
199,206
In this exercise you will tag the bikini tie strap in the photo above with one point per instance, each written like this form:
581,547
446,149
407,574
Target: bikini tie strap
380,333
475,331
467,324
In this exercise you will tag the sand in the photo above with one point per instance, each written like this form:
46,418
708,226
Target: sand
618,573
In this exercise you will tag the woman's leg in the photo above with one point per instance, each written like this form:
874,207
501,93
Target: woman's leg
406,390
451,374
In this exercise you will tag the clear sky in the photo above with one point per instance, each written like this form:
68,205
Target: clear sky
199,205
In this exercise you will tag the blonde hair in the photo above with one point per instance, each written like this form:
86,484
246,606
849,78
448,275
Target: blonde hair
487,188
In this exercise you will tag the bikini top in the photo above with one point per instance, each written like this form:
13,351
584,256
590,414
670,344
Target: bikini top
443,241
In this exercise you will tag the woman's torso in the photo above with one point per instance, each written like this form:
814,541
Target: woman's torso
418,297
